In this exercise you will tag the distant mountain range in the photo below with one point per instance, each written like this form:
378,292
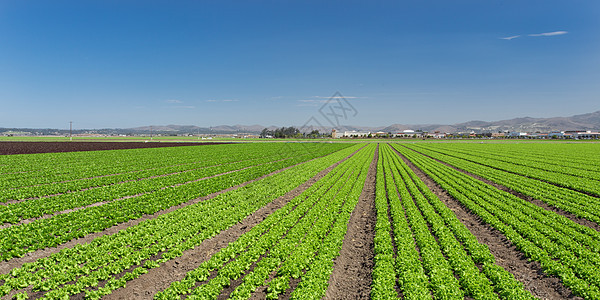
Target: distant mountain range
589,121
196,129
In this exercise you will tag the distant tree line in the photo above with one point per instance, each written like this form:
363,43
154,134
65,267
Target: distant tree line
289,132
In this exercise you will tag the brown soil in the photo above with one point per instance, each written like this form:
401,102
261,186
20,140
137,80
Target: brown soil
158,279
5,266
53,147
47,216
530,273
261,291
540,203
352,269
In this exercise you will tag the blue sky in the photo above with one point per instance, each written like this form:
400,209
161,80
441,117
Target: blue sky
125,63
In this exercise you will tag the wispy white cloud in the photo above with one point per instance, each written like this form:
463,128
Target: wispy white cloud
185,106
174,101
510,37
313,101
553,33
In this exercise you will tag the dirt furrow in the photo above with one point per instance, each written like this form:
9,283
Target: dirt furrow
352,269
530,273
115,174
12,201
158,279
261,291
106,175
46,216
5,266
540,203
530,177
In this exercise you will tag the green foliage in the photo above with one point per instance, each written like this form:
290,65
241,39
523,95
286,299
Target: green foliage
564,248
76,269
299,240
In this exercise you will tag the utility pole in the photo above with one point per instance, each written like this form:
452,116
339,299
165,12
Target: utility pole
70,130
150,132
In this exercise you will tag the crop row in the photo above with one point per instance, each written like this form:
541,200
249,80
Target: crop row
74,185
106,169
109,261
527,168
570,154
448,261
579,204
564,248
297,241
31,164
523,158
15,212
48,168
42,233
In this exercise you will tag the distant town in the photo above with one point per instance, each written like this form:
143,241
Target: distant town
583,134
295,133
583,126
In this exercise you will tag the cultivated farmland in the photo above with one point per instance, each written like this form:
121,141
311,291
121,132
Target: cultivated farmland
303,221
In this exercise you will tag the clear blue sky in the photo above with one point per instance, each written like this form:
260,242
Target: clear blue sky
125,63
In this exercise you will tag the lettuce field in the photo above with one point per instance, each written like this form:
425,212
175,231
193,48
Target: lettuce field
418,220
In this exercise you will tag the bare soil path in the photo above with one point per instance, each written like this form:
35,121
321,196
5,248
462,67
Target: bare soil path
540,203
47,216
352,269
158,279
5,266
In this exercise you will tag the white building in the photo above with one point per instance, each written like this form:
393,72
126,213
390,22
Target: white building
587,135
408,133
355,133
517,134
348,134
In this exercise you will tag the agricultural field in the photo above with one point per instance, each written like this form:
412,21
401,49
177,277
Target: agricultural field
39,146
413,220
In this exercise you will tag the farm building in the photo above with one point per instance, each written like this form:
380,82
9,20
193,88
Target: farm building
408,133
335,134
587,135
517,134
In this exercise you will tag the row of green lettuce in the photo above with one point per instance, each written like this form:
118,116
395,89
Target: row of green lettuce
99,168
422,250
97,268
298,241
19,239
564,249
578,203
582,176
149,182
